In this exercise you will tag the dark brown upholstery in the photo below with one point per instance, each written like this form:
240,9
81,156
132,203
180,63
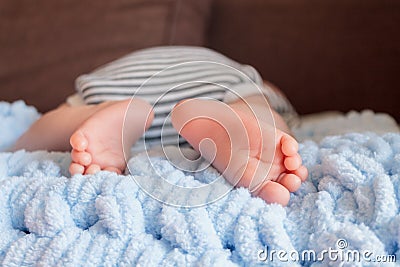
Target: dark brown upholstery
46,44
325,55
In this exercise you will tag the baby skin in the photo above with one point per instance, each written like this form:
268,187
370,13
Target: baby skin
247,147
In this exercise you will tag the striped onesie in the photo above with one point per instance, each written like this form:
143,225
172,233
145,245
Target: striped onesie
165,75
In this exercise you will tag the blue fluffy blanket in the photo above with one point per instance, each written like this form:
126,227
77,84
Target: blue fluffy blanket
349,203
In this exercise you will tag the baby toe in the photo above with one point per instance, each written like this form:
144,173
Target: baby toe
78,141
292,163
273,192
291,181
92,169
302,173
76,168
289,145
82,158
113,169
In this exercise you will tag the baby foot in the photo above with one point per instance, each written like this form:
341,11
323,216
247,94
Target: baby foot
97,144
247,152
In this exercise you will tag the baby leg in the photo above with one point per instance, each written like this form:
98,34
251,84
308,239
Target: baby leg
93,131
53,130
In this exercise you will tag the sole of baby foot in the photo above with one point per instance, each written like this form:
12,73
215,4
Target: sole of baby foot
247,152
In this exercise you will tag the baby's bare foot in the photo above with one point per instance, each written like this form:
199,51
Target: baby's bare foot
247,152
97,144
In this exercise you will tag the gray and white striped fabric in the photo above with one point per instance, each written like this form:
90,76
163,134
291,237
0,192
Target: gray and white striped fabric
165,75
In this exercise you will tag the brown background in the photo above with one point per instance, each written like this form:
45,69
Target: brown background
325,55
46,44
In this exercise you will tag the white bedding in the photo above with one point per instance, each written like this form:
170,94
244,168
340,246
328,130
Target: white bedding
319,125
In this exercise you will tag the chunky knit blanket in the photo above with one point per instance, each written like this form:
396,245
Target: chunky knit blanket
345,214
